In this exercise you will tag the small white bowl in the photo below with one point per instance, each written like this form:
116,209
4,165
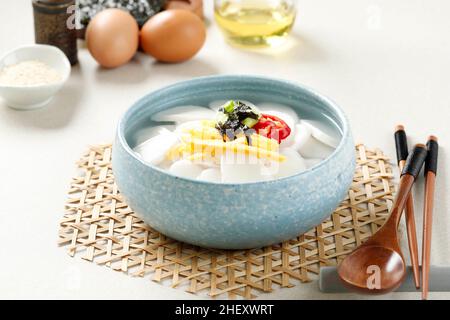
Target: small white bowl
29,97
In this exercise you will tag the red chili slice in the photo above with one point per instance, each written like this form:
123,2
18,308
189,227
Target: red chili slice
272,127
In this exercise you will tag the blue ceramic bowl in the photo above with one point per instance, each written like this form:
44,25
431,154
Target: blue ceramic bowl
232,216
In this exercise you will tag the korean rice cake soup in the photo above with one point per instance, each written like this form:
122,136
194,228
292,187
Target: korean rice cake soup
236,141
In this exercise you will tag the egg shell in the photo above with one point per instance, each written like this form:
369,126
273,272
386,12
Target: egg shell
173,35
112,37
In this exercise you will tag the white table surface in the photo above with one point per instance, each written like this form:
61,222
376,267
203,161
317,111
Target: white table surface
384,62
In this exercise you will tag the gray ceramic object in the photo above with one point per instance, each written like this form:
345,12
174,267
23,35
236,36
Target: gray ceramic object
232,216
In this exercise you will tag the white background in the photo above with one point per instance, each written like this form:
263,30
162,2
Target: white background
384,62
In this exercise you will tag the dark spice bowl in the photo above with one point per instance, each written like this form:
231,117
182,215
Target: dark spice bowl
224,215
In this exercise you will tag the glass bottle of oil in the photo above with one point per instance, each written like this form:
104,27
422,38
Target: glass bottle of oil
255,22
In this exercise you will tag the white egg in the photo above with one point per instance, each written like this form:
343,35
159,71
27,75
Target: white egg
210,175
293,164
154,149
311,162
184,114
323,133
186,169
249,169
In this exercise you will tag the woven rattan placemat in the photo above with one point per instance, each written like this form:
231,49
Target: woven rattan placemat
99,227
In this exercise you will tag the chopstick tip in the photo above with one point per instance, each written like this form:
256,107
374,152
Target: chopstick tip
433,138
420,145
399,127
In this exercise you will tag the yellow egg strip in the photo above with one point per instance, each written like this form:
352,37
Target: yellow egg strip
208,123
176,152
206,143
217,148
204,133
260,141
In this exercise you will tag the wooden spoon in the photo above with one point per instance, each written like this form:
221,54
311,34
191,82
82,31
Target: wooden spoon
378,265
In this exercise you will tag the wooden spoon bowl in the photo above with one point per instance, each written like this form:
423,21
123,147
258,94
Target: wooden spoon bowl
373,269
378,266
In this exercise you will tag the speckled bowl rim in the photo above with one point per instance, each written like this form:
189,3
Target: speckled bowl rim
325,100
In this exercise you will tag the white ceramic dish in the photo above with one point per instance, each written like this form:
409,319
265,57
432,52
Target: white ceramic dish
34,96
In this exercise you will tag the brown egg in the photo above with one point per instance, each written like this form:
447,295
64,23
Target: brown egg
173,35
112,37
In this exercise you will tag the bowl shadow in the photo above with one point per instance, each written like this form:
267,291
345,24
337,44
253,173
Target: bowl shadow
143,66
187,69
